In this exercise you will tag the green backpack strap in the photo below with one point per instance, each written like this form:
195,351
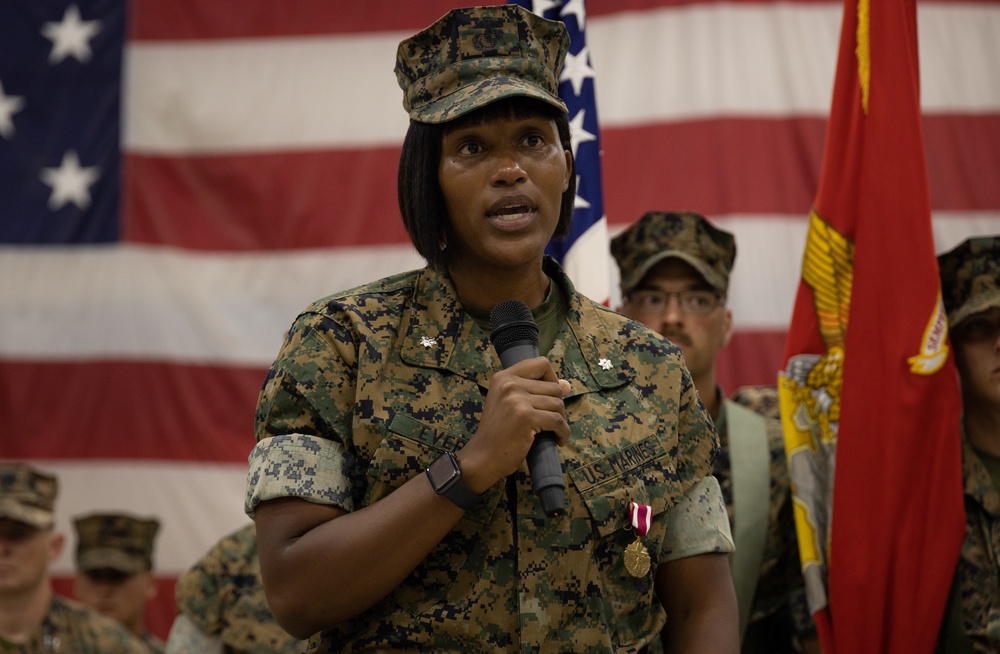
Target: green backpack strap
750,459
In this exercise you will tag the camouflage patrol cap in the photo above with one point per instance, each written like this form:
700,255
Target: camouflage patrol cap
471,57
115,541
684,235
970,277
27,495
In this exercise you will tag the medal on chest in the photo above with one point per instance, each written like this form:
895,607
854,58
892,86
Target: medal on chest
636,556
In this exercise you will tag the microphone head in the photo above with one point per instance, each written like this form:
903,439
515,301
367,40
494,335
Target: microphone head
511,323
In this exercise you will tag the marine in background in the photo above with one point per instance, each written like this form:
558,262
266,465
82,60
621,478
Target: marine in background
114,569
33,618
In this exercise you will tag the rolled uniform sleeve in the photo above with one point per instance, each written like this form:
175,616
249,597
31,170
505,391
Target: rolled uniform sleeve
304,417
698,523
298,465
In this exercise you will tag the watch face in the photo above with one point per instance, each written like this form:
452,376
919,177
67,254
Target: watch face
443,472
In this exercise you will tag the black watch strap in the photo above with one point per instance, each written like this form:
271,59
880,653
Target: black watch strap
446,479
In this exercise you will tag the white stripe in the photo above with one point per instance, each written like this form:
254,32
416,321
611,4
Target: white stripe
196,503
270,94
710,60
699,61
768,264
774,60
959,51
587,262
161,304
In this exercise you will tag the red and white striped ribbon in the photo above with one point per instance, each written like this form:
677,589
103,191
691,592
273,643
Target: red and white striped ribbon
641,515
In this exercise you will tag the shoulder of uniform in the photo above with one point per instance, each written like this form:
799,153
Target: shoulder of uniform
392,285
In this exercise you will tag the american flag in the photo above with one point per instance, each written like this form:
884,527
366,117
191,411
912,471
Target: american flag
583,254
179,179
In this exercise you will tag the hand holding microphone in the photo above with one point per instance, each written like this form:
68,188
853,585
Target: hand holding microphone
515,337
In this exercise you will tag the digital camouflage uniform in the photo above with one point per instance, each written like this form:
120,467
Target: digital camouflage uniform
373,384
28,496
223,596
779,612
760,399
121,542
779,609
478,55
72,628
978,571
115,541
153,644
970,284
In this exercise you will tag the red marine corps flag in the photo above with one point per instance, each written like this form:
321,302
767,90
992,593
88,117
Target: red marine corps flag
869,383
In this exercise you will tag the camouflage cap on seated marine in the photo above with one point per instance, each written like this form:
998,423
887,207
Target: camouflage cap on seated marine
115,541
471,57
970,277
27,495
686,235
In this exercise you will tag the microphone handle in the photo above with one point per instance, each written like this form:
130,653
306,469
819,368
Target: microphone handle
546,473
543,458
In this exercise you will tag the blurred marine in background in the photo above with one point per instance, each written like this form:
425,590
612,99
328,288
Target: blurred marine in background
221,606
114,569
33,618
675,269
970,286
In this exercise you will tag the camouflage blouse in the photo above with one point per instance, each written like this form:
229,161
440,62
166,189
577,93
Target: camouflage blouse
978,572
372,384
72,628
222,595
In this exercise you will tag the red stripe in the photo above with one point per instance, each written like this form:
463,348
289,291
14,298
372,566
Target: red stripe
348,197
128,410
712,166
963,157
752,358
199,19
264,201
143,410
604,7
726,166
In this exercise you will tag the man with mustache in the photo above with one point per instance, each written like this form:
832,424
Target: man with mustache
675,270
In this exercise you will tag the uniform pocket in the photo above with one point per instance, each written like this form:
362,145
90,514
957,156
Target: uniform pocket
407,449
629,602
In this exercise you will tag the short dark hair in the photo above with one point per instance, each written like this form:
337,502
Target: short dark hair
421,202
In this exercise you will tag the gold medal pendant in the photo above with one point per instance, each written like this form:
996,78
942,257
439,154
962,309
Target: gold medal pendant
637,559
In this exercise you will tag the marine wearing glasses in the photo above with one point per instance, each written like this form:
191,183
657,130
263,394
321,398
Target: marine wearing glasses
670,256
653,302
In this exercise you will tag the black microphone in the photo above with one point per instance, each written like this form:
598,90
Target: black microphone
515,337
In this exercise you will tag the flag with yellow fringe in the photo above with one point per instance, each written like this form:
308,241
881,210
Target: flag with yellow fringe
869,396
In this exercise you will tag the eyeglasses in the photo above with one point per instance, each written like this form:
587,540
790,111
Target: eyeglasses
651,302
980,328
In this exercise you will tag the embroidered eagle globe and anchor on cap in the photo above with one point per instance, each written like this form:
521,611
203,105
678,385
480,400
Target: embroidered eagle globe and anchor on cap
475,56
27,495
687,236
